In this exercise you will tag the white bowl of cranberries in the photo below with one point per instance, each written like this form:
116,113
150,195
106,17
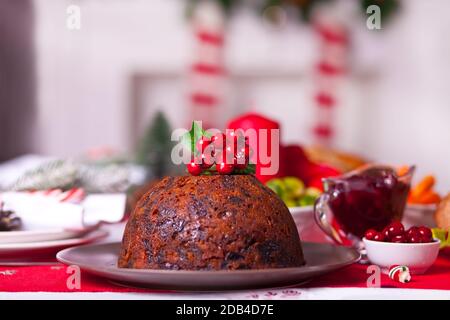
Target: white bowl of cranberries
395,245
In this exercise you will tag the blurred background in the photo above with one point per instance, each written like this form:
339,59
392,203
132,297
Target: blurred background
88,77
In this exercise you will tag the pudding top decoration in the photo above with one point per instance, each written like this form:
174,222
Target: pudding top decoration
217,152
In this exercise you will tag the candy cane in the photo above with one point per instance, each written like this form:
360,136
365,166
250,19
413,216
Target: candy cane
207,72
330,68
400,274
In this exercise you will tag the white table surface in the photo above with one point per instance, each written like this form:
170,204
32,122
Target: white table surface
274,294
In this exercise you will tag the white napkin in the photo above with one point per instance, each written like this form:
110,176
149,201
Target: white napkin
40,212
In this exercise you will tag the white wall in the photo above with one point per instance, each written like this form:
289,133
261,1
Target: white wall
395,105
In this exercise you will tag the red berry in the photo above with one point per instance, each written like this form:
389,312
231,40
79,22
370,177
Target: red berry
425,233
245,150
412,235
414,238
386,234
194,168
241,160
378,237
224,168
202,143
240,163
426,240
412,231
370,234
207,161
233,139
225,157
218,140
399,239
394,229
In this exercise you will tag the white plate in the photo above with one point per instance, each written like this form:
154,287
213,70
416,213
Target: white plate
295,210
419,215
42,235
307,226
9,250
101,260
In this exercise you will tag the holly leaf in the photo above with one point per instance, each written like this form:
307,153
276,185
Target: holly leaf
190,138
249,169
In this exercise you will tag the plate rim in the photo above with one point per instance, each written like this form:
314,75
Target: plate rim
94,235
197,272
301,210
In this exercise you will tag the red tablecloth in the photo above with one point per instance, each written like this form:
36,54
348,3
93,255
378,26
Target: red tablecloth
54,278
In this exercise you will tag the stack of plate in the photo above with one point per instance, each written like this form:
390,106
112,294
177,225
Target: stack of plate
56,225
17,247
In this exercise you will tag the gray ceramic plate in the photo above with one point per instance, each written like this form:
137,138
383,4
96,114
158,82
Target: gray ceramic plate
101,260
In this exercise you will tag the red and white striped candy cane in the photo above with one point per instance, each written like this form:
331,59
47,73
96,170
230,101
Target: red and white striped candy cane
206,75
331,67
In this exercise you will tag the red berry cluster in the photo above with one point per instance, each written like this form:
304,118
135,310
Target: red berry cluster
395,232
217,150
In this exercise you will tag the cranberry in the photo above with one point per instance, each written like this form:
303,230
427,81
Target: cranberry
395,228
426,233
194,168
378,237
370,234
224,168
225,157
202,143
207,161
412,231
233,139
245,150
218,140
399,238
413,238
386,234
240,162
412,235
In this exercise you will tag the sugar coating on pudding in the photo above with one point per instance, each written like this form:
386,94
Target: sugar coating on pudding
214,222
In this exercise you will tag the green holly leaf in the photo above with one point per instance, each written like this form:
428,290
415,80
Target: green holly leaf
191,137
249,169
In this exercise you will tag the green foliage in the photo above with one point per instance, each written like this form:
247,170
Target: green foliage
155,147
304,7
387,7
191,137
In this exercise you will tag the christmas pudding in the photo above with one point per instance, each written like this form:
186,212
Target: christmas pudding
210,222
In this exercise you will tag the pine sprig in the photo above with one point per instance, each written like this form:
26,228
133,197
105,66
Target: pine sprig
55,174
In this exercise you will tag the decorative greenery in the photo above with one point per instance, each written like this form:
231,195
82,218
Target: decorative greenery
304,7
67,174
54,174
190,139
387,7
155,147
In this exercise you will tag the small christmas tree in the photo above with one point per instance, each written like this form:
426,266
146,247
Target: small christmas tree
155,147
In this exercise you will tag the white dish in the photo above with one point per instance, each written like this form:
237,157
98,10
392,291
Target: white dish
419,215
42,235
417,256
295,210
307,226
101,260
10,250
39,212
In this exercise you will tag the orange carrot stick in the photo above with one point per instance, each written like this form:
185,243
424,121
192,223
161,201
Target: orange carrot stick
423,186
429,197
403,170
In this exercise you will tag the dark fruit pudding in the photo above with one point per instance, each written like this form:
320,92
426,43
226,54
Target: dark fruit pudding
369,199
